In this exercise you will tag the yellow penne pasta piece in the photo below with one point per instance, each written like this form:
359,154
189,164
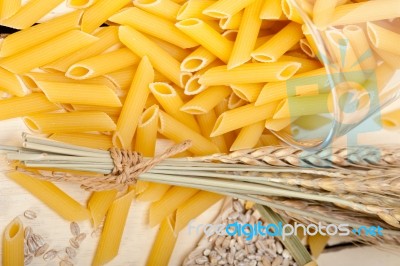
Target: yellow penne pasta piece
178,132
90,94
17,42
242,116
272,9
98,205
110,239
250,73
30,13
248,136
195,206
141,186
311,122
247,92
102,64
355,13
226,8
174,198
192,86
278,124
247,36
95,141
279,44
311,40
206,36
194,9
304,105
279,90
147,132
205,101
306,63
160,59
175,51
13,244
80,4
9,8
234,101
154,26
107,37
197,60
291,12
360,45
47,52
164,244
31,104
98,13
388,58
52,196
111,111
323,12
307,48
154,192
269,140
11,83
171,102
219,110
206,122
383,39
231,22
391,120
167,9
122,78
69,122
134,104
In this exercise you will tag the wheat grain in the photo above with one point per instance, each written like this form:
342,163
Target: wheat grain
50,255
74,227
30,214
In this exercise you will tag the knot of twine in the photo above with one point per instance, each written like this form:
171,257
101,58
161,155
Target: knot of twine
128,165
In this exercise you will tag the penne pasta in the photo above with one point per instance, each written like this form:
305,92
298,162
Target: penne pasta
30,13
154,26
98,205
391,121
11,83
206,122
47,52
250,73
17,42
101,64
306,47
219,110
279,44
147,132
231,22
167,9
80,4
69,122
31,104
154,192
174,198
134,104
98,13
207,37
107,37
272,10
279,90
355,13
164,244
95,141
269,140
247,36
161,60
194,9
90,94
278,124
234,101
175,51
291,12
242,116
248,136
197,60
52,196
247,92
13,244
306,63
311,122
110,239
9,8
225,8
383,39
323,12
205,101
171,102
195,206
192,86
122,78
178,132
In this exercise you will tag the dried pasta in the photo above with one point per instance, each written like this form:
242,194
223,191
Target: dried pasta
98,205
13,244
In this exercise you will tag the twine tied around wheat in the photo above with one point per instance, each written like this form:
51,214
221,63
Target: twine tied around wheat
128,165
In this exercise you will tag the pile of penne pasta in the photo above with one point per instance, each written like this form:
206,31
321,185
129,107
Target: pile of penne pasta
125,73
